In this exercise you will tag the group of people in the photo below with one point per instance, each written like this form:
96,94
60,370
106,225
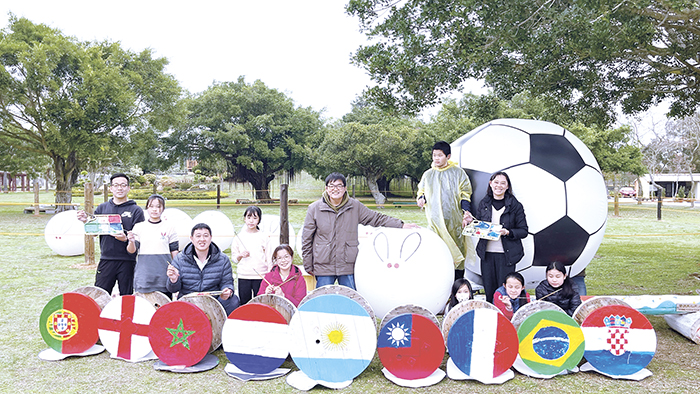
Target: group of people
145,257
556,288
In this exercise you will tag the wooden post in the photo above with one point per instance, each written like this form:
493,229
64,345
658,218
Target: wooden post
617,203
658,208
284,214
105,192
89,209
353,190
36,197
218,196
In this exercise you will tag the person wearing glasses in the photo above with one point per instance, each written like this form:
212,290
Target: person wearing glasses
329,236
116,263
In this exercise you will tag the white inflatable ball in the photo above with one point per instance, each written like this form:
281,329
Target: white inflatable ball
399,266
556,178
270,224
221,227
182,223
65,234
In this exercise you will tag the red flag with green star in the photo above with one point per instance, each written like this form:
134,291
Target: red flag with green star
180,334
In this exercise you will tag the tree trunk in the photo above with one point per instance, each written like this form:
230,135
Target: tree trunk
379,198
261,185
66,176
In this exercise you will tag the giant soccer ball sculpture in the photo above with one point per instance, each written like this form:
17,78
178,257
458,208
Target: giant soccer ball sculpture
556,178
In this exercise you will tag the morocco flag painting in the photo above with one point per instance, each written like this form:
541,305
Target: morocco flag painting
411,346
68,323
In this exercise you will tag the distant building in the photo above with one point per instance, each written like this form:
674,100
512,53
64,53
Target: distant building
670,183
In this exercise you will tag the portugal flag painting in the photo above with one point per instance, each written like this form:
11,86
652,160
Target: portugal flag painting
68,323
411,346
334,338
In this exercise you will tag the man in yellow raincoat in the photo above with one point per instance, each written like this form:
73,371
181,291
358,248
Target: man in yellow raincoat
445,192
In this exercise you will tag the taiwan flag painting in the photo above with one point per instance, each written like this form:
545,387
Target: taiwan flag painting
256,338
411,346
619,340
334,338
124,327
483,343
68,323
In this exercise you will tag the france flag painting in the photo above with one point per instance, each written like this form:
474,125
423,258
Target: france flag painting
256,338
483,343
334,338
619,340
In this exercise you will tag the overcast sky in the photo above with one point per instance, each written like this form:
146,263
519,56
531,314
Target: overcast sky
300,47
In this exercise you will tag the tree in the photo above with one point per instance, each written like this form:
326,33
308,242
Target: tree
256,129
77,102
369,150
588,55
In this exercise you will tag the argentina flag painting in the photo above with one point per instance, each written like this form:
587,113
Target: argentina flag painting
335,338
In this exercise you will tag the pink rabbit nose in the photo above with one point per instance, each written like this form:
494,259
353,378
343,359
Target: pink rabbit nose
396,265
388,265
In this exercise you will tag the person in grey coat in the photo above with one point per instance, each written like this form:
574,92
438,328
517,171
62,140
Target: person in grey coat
202,267
329,237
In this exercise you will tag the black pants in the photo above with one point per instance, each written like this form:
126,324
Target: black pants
110,272
494,269
247,289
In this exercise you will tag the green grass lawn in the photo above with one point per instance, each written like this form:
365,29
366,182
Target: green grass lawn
639,255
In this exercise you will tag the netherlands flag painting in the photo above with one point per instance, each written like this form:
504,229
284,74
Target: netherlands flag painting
411,346
256,338
334,338
619,340
483,343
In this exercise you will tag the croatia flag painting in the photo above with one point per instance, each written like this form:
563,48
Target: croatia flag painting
256,338
411,346
68,323
619,340
483,343
334,338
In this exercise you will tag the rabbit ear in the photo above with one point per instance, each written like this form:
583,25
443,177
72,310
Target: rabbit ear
381,248
411,247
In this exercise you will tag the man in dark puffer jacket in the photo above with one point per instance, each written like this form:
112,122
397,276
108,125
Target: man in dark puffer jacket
202,267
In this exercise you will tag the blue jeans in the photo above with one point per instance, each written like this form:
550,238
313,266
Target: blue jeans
579,283
343,280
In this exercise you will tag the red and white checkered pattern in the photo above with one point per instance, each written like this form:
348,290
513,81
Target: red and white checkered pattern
617,340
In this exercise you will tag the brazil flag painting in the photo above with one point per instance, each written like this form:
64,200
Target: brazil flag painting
68,323
550,342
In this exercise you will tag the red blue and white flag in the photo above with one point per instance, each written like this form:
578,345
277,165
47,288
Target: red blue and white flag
256,338
619,340
411,346
483,343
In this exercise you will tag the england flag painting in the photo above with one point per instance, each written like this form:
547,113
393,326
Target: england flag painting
335,338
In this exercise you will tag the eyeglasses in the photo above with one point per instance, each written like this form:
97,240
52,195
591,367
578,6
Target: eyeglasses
120,185
335,187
